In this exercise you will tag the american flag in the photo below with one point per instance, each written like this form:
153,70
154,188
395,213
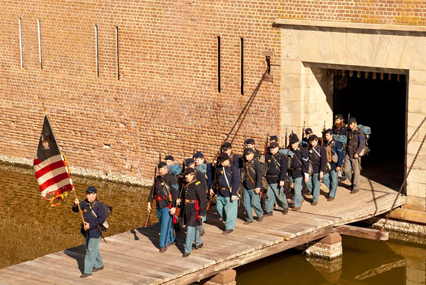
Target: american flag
50,167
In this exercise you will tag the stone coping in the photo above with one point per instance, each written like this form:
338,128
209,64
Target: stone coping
349,25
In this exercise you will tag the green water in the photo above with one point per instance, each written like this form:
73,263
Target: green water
31,228
363,262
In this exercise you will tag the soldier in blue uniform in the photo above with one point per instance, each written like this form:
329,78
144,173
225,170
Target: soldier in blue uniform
94,216
299,170
356,144
252,186
331,178
226,185
305,139
339,127
249,143
166,191
318,160
276,174
194,207
174,168
201,177
234,158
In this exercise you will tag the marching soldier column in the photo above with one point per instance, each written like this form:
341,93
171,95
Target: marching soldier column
295,170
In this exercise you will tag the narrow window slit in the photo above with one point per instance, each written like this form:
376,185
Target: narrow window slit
242,64
20,43
218,65
97,50
39,45
117,51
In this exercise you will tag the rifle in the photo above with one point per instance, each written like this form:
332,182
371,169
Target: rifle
209,205
239,120
323,134
147,224
285,144
265,153
303,130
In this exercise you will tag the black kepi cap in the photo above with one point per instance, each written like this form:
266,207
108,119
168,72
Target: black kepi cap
222,157
189,161
313,137
293,138
198,155
162,164
250,141
91,189
338,116
189,170
273,145
169,157
308,131
273,138
328,131
351,120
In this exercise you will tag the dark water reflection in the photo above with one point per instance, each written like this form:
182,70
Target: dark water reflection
31,228
363,262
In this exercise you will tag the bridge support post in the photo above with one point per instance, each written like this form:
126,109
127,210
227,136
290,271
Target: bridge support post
329,247
226,277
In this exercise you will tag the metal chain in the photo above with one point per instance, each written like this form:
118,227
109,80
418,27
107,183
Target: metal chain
403,183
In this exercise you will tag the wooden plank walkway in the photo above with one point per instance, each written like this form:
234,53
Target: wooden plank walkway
133,257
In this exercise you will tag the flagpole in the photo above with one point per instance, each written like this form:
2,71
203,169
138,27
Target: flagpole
75,194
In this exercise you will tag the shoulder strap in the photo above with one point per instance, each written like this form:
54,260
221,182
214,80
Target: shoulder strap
316,152
226,178
276,162
167,189
248,173
298,160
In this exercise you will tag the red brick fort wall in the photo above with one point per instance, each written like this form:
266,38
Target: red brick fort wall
166,98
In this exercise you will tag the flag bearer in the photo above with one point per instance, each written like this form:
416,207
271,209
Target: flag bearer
94,216
166,191
194,206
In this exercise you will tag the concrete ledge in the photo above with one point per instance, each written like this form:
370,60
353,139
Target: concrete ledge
409,215
349,25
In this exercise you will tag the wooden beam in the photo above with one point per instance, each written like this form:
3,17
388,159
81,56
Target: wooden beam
362,232
409,215
251,256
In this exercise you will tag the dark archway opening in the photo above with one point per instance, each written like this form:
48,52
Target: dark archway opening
378,101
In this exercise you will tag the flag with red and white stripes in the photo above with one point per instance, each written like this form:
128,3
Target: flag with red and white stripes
50,167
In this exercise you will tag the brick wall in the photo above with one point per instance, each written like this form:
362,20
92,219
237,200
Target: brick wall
166,99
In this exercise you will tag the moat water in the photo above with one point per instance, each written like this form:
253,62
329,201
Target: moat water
30,228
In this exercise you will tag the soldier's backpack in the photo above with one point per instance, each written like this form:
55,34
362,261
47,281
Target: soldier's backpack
331,155
341,139
108,211
367,132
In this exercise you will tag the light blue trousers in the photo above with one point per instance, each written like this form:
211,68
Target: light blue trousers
167,234
314,186
192,234
331,181
252,201
93,257
297,186
275,193
228,211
